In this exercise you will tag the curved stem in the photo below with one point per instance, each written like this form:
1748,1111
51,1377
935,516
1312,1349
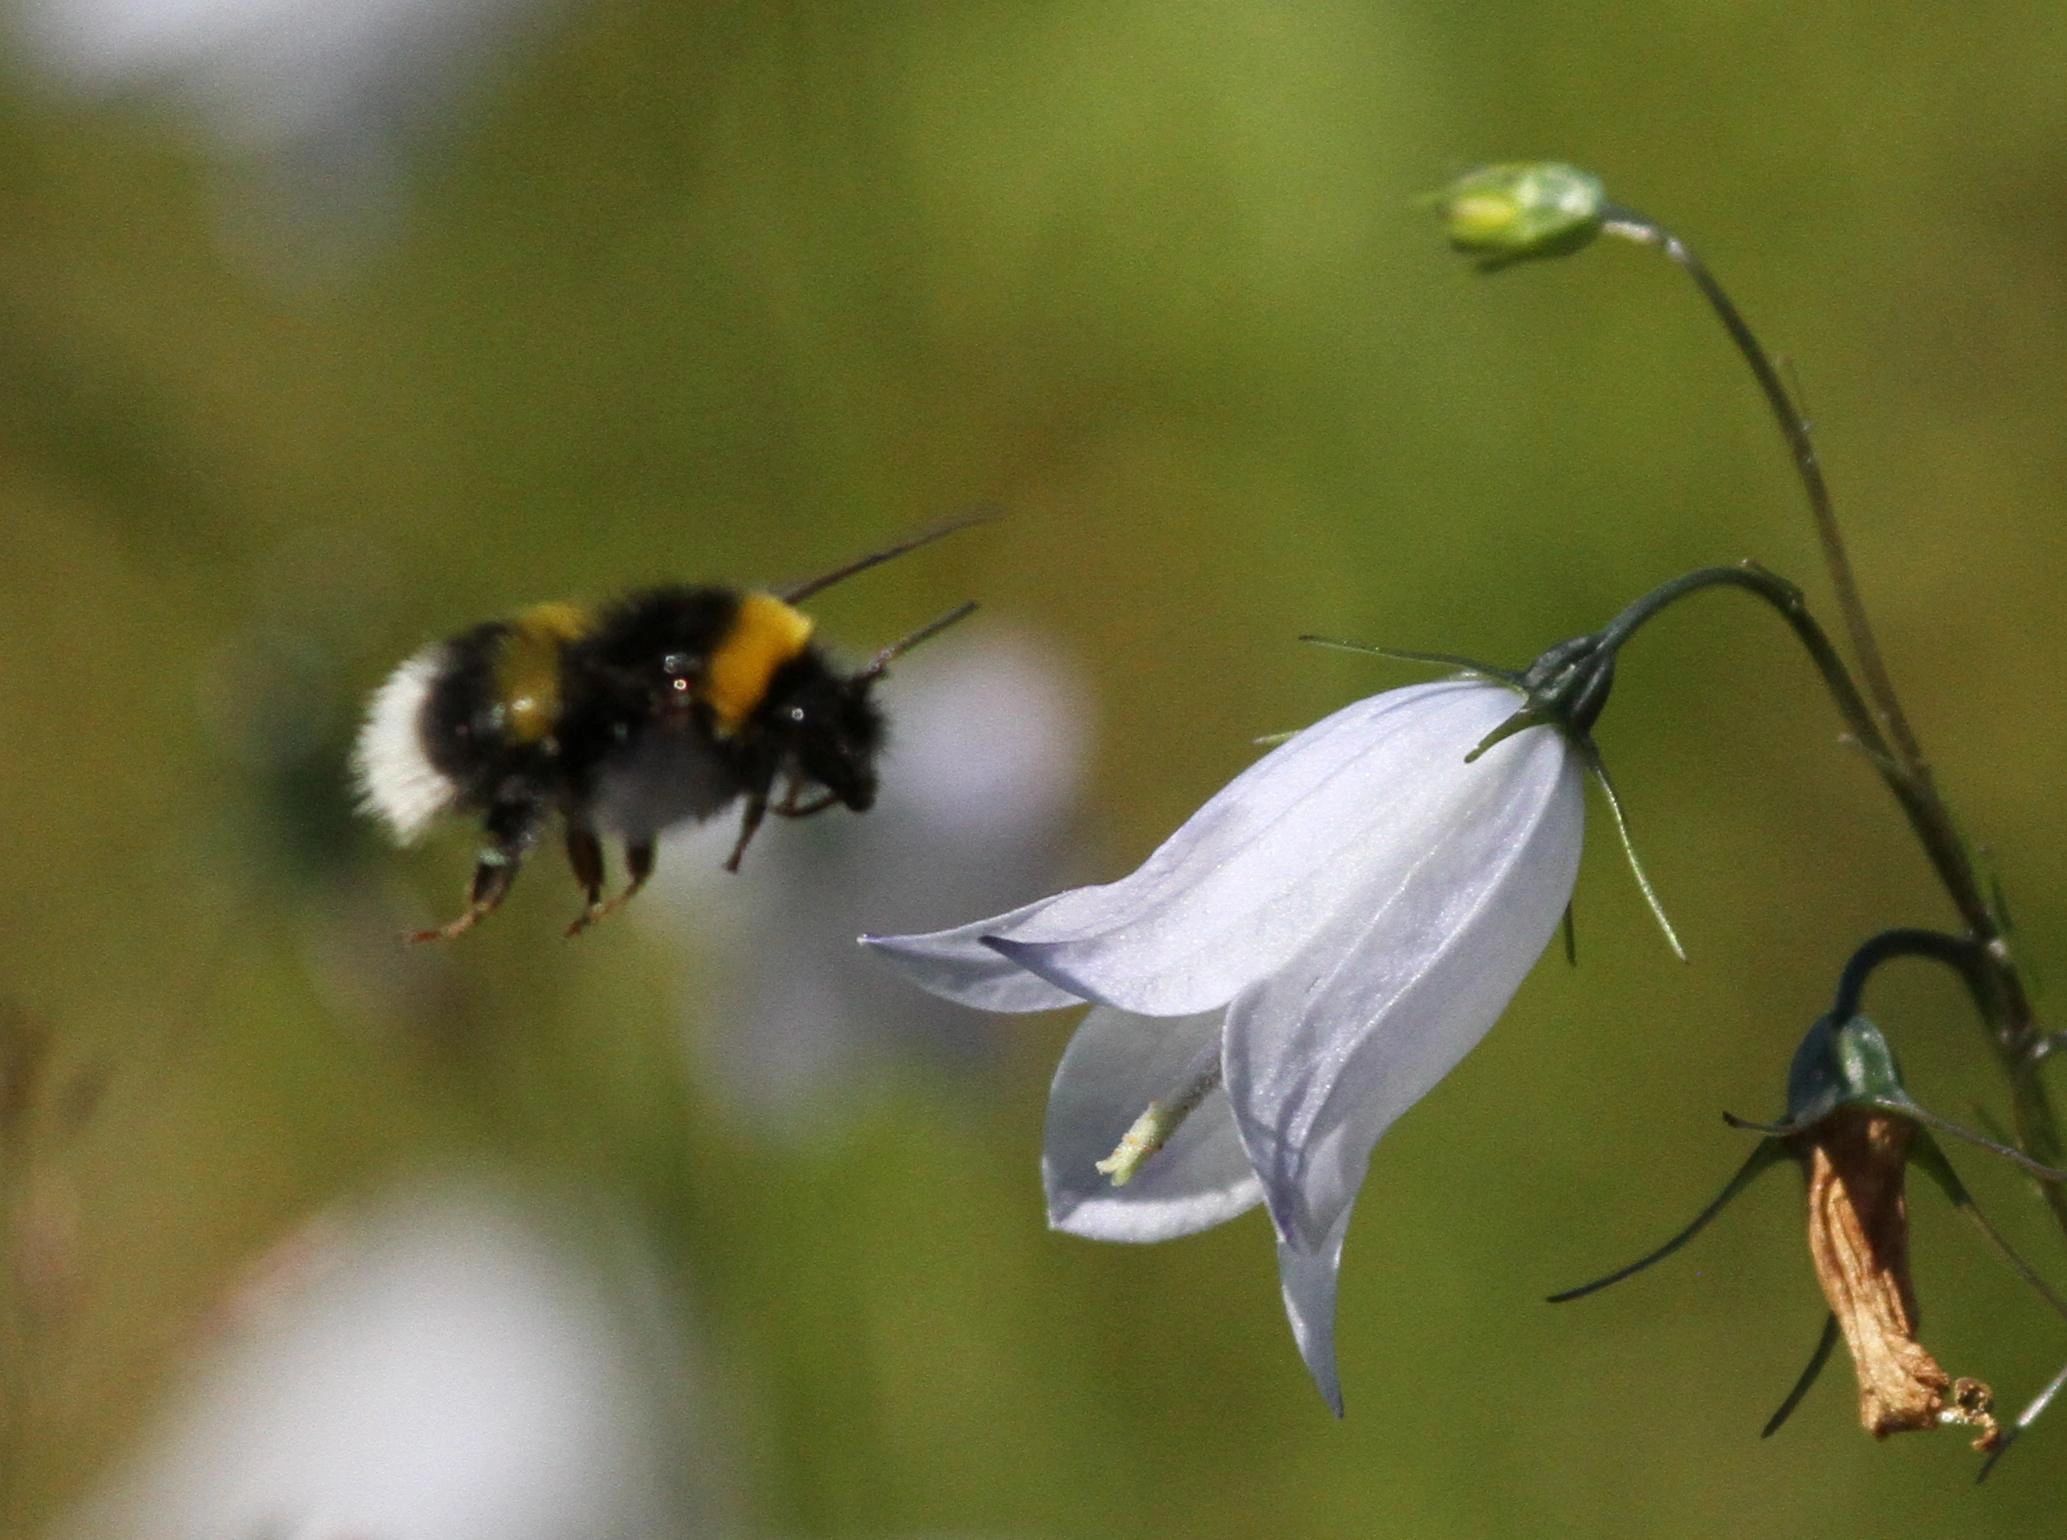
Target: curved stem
1786,600
1794,427
1919,799
2017,1037
1926,813
1962,954
1907,765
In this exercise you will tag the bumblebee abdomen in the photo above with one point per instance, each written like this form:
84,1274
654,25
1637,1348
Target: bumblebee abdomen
529,659
469,720
397,775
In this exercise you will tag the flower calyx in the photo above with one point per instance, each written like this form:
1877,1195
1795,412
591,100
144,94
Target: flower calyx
1566,688
1570,683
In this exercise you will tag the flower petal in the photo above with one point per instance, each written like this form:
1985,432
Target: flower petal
1418,963
1257,872
1113,1068
956,965
1307,1280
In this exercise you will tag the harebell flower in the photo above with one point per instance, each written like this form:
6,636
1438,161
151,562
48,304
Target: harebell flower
1298,964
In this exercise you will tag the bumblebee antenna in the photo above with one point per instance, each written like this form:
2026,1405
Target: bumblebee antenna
927,632
982,514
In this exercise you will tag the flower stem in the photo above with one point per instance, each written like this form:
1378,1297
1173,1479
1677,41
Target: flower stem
1958,953
1786,600
1926,811
1794,427
2015,1033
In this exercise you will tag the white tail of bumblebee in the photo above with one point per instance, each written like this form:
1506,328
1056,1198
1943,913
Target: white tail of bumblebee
393,772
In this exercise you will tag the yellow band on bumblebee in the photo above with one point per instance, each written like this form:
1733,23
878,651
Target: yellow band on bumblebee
527,669
765,635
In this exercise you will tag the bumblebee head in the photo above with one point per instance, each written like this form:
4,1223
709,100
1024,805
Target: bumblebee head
829,729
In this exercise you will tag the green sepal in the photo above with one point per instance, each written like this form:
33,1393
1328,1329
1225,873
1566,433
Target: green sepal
1768,1153
1407,655
1853,1066
1924,1152
1599,767
1520,722
1805,1381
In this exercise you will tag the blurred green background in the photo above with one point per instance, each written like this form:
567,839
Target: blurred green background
738,291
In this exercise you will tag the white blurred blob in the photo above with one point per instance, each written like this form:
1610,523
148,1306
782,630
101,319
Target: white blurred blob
316,96
454,1362
989,737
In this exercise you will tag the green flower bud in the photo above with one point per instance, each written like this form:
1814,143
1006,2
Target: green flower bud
1521,209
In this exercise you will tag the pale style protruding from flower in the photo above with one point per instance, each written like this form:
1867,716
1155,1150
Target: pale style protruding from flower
1294,968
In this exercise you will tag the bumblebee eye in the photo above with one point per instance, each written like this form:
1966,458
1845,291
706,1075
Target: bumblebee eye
681,686
795,715
675,663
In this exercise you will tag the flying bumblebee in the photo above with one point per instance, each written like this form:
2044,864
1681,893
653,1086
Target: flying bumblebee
661,707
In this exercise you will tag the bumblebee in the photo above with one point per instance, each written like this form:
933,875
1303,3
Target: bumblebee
662,707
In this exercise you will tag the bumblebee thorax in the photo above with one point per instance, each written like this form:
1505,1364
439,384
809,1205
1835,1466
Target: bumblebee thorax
765,636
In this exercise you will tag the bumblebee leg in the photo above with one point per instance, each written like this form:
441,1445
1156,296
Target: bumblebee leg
638,866
585,859
512,829
756,810
792,806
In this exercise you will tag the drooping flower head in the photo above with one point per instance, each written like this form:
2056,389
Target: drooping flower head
1295,967
1854,1130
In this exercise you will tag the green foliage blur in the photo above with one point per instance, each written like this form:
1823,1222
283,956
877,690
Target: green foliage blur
737,292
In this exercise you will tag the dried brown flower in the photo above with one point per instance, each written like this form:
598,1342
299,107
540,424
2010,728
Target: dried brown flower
1858,1210
1859,1241
1855,1131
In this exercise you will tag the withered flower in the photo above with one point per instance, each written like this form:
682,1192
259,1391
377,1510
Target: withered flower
1854,1148
1859,1242
1854,1130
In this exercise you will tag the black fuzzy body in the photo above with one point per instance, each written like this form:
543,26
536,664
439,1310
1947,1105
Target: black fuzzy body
664,707
632,747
